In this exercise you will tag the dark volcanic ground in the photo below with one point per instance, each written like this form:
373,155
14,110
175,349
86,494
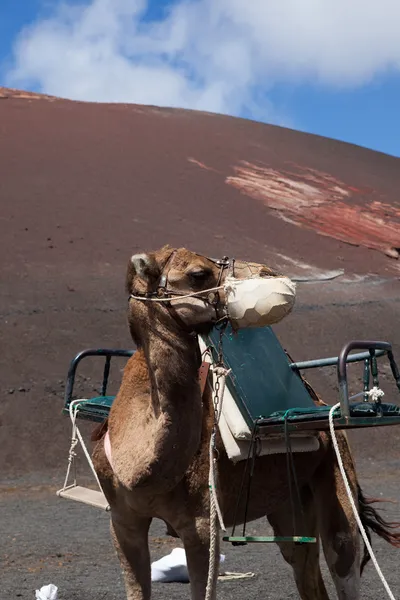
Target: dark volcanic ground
48,540
82,187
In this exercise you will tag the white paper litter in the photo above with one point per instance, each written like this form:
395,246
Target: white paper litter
47,592
173,567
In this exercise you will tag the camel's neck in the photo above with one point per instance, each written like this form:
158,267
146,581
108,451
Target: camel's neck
173,362
154,436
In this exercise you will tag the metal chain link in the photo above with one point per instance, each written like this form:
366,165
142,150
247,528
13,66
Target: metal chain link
217,386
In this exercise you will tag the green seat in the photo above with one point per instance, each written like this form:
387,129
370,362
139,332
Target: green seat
261,380
94,409
269,392
264,383
357,410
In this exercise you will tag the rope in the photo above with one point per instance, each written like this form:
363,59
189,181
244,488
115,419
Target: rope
77,436
212,574
213,486
375,394
177,296
352,502
221,373
215,510
71,459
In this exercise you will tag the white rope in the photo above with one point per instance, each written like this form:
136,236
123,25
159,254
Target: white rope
212,571
376,393
352,502
215,510
213,487
77,436
177,297
71,459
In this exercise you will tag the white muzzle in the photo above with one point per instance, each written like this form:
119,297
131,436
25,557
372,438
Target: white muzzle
258,301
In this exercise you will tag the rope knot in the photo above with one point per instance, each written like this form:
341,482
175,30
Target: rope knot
221,371
376,393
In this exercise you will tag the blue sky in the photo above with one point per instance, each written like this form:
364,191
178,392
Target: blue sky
331,68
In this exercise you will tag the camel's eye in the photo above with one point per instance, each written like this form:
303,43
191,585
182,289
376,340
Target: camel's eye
200,275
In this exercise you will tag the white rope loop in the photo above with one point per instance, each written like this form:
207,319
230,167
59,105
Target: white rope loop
77,436
352,502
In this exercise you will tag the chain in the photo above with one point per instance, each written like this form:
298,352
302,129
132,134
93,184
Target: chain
216,402
216,399
220,327
220,368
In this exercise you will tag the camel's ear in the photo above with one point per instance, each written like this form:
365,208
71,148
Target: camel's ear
144,266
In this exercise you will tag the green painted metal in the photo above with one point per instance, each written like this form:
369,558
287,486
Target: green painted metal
332,361
361,413
264,383
261,380
249,539
94,409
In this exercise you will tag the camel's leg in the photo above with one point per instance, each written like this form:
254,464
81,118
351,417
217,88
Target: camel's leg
303,558
131,542
338,527
195,536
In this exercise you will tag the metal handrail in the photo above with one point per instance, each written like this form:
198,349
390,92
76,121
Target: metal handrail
332,361
108,353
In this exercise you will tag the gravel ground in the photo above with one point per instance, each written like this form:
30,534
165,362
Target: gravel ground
45,539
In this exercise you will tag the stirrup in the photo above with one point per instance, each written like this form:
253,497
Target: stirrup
85,495
73,491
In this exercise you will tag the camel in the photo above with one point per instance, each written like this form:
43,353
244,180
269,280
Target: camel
152,455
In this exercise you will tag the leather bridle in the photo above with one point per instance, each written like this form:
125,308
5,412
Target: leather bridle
163,295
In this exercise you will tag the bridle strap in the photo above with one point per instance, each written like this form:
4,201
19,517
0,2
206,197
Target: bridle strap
163,281
164,296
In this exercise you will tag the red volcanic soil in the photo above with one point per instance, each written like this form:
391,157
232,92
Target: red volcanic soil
85,185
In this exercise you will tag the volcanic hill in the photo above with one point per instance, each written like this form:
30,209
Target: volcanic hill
84,185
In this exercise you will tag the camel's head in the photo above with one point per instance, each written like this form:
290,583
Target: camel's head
196,291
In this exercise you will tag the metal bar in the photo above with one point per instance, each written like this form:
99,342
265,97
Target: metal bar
342,368
332,361
374,369
323,424
264,539
366,378
75,362
395,370
106,373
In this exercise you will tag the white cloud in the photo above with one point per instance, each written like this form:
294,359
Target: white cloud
206,54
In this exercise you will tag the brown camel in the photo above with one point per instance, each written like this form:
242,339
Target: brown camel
158,438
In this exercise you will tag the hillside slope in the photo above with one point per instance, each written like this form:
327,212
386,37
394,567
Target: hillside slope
85,185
